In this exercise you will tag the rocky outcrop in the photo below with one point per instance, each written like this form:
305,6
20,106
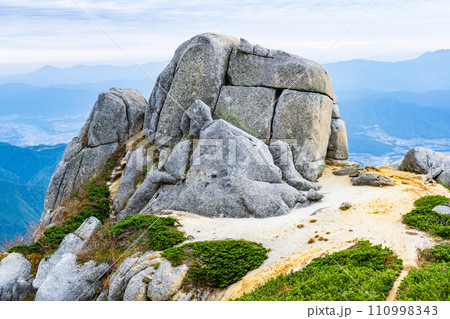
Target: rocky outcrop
231,174
15,272
166,281
69,281
270,94
424,161
117,115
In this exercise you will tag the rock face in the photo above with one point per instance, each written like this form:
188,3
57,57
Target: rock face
166,281
213,112
117,115
239,104
270,94
423,161
231,174
304,118
419,160
14,271
69,281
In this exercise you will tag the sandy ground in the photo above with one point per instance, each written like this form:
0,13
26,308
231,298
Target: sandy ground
375,215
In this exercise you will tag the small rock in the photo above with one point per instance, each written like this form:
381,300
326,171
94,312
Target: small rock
260,51
409,232
13,270
352,171
313,195
442,209
345,206
88,228
372,179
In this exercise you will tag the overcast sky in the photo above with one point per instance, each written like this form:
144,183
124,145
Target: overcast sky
34,33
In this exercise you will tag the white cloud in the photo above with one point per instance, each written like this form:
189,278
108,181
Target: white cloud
59,33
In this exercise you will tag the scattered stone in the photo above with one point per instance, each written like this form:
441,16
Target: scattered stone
313,195
311,240
300,226
372,179
409,232
345,206
313,221
352,171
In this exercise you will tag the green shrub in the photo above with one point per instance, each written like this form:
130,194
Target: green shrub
217,263
439,253
424,218
161,231
431,201
362,272
429,283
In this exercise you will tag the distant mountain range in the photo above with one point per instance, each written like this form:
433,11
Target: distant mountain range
24,176
390,107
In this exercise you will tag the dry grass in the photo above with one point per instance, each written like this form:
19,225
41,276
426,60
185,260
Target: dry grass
22,239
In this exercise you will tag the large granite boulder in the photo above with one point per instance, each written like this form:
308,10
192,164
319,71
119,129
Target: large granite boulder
69,281
420,160
117,115
166,281
231,174
15,270
303,119
199,73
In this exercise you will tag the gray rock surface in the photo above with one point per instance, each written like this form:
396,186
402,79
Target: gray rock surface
195,117
132,266
352,171
282,157
117,115
444,178
338,146
248,108
372,179
335,113
14,270
419,160
137,289
199,75
69,281
232,174
145,191
70,244
88,228
178,160
282,70
166,281
345,206
260,51
442,209
136,164
245,46
313,195
303,120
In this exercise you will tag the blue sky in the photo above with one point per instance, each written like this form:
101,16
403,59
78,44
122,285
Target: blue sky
34,33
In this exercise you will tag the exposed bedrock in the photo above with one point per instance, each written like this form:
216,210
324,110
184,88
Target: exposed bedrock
117,115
